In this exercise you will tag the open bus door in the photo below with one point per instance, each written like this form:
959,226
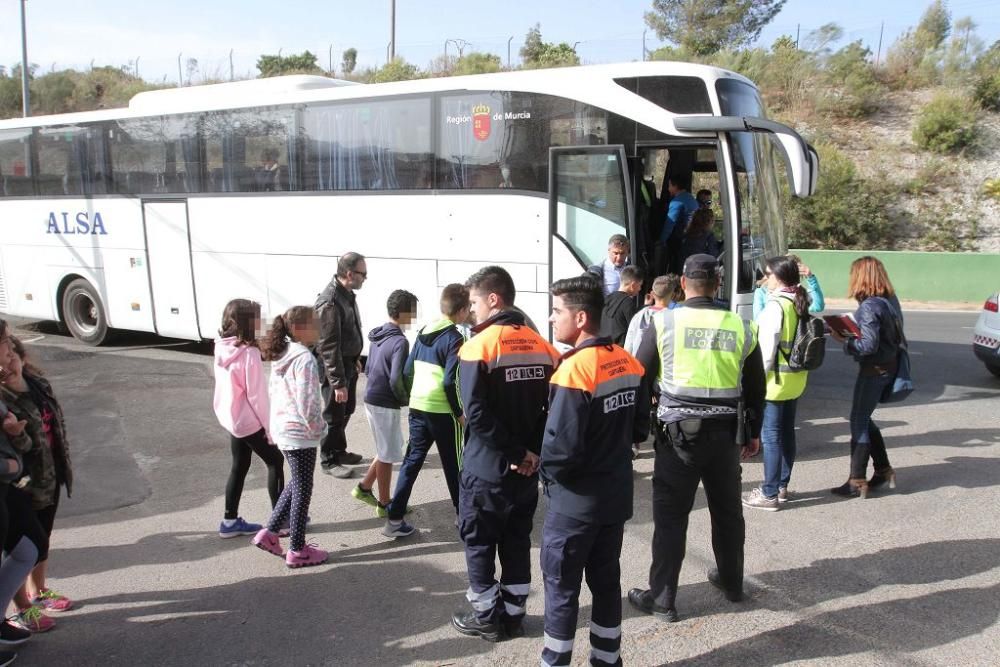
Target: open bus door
590,200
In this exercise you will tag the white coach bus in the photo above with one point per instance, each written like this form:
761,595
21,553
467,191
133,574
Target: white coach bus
152,217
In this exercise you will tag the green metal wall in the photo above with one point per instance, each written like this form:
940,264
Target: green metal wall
917,276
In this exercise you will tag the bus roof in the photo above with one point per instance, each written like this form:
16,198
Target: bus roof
581,83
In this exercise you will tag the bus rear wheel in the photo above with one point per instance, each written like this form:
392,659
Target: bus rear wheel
83,313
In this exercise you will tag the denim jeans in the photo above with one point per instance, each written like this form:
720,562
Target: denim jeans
777,435
866,438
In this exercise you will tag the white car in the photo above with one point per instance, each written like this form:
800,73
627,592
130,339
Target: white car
986,335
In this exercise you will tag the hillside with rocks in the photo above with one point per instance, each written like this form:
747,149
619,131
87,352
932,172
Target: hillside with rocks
937,201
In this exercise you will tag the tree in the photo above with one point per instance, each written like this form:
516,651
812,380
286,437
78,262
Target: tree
819,40
350,61
397,70
477,63
703,27
304,63
536,54
934,26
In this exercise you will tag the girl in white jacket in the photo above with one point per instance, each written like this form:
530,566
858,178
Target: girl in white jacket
297,426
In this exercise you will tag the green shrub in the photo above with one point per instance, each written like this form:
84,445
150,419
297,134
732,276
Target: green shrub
848,211
991,188
947,123
852,89
946,228
986,84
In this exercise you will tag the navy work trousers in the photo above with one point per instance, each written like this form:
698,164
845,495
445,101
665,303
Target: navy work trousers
570,549
496,518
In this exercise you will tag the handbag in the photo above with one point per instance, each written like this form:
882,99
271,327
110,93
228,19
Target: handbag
902,382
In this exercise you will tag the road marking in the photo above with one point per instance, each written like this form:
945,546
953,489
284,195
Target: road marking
33,340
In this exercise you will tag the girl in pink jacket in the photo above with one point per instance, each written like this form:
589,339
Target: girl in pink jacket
297,426
242,407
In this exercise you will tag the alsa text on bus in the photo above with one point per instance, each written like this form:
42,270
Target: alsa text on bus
83,223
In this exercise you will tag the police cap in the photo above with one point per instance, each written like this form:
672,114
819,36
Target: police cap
701,266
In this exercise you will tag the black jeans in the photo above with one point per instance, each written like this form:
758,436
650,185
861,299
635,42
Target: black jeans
337,415
711,457
242,448
866,438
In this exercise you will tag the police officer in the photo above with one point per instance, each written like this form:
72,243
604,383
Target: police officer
587,474
503,378
706,362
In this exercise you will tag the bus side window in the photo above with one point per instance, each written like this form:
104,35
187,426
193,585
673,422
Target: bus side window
15,163
372,145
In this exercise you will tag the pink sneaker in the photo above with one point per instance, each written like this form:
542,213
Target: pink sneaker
33,620
268,541
49,600
308,556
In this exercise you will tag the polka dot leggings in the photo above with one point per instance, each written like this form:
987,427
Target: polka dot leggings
294,500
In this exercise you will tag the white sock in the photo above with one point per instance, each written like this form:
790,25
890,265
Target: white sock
228,523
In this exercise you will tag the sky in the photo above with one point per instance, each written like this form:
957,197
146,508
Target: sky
76,33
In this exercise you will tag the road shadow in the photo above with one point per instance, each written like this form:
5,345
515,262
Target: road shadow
917,623
436,534
118,339
338,614
919,564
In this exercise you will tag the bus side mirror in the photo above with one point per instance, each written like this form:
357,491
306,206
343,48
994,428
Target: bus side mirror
801,159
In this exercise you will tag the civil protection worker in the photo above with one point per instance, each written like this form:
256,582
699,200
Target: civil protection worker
587,474
706,362
503,381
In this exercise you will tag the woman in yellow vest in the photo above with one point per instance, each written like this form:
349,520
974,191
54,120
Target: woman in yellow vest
777,325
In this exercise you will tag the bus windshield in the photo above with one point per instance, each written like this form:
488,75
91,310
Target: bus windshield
762,228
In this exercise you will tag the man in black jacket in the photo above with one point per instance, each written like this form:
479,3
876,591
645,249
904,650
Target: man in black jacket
620,306
339,354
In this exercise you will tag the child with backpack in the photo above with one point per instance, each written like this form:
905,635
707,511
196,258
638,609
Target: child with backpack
385,394
778,330
241,407
297,425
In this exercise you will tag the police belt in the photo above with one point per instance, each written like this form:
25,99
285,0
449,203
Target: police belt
688,429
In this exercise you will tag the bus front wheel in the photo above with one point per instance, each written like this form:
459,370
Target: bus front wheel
83,313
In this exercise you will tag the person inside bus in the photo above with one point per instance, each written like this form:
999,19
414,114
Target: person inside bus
698,237
268,175
704,198
609,271
621,305
682,206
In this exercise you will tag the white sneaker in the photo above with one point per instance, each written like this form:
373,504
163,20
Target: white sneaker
758,500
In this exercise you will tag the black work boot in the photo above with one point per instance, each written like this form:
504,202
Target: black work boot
513,627
469,624
643,601
715,579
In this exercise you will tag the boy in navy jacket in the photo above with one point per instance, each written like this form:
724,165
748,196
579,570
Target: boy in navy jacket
384,396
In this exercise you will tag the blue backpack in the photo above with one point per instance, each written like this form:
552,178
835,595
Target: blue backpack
902,383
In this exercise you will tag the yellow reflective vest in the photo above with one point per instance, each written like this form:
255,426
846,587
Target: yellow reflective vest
786,384
702,352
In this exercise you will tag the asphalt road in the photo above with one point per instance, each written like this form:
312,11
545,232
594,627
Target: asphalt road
908,577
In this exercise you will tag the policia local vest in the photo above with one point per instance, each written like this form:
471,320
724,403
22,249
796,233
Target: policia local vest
702,352
786,384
